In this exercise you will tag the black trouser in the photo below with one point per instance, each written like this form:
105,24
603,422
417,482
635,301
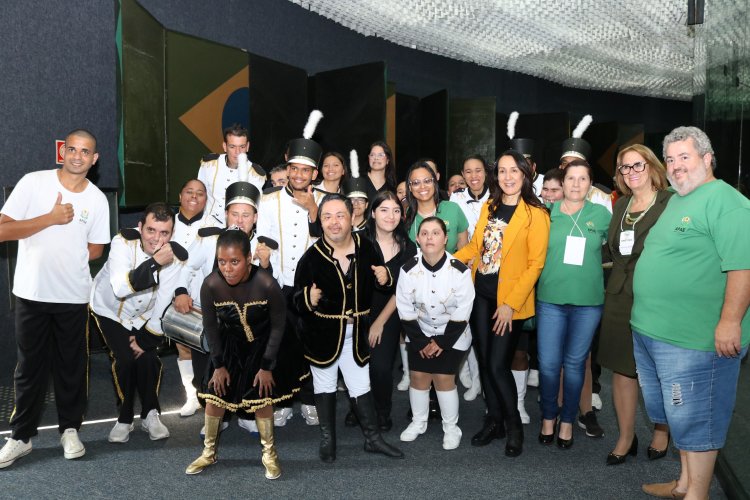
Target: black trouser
382,358
49,338
292,343
495,356
131,374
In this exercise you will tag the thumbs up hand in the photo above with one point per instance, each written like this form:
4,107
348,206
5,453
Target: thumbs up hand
315,295
61,213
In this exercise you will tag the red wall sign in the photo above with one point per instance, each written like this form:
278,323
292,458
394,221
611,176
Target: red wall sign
59,146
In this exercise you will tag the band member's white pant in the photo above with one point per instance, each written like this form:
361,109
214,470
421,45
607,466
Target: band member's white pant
357,378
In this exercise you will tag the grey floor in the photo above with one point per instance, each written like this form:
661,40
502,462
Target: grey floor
145,469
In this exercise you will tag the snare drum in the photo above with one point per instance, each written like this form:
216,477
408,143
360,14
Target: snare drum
187,329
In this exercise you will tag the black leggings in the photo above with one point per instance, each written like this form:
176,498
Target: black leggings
495,355
382,358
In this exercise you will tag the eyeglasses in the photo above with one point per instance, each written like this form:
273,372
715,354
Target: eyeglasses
638,166
377,155
419,182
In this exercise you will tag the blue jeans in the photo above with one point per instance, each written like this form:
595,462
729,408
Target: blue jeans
692,391
564,336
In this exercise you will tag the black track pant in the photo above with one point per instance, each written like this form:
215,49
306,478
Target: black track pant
50,338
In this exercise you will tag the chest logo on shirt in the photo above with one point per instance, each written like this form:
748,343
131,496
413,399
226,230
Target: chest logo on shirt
590,226
685,222
84,217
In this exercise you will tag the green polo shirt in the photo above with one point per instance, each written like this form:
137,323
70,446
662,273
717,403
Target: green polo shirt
562,283
681,276
455,223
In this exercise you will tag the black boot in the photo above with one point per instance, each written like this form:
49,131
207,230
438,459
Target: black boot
514,443
374,443
351,417
490,430
325,403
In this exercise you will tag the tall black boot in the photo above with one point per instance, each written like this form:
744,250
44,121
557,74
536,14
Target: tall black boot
514,443
351,416
368,420
325,403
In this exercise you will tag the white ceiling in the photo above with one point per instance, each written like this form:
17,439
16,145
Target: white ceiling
636,47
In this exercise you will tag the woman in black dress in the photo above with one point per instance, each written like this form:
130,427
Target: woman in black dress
244,313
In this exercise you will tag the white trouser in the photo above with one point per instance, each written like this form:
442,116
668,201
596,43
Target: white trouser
357,378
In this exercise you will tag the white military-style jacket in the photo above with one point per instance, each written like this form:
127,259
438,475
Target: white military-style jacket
470,206
201,262
131,288
217,177
283,220
435,298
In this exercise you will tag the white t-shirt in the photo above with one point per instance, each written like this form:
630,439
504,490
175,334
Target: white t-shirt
53,264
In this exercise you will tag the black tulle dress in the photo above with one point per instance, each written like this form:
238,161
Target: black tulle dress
244,325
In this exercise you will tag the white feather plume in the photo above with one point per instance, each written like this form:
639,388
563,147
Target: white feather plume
582,126
243,167
512,119
312,123
353,164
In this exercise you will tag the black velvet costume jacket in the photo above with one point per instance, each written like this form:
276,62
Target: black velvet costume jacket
322,329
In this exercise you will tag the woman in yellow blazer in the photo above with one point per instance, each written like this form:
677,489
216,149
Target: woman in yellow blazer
507,249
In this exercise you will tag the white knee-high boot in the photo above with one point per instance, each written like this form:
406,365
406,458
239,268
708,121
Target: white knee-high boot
420,410
520,378
403,385
448,401
475,389
186,374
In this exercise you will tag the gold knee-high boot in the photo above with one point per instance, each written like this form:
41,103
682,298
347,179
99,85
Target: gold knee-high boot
270,458
210,446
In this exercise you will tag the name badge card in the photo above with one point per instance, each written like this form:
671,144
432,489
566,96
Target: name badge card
575,247
627,238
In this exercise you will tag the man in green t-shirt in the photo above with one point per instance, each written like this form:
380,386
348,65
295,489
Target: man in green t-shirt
690,319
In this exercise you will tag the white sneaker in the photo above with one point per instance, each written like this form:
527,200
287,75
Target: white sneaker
413,431
280,416
120,433
451,437
223,427
311,414
533,380
249,425
596,401
190,407
12,451
152,424
403,384
72,445
474,391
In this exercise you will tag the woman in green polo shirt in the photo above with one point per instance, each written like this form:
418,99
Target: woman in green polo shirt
423,201
570,294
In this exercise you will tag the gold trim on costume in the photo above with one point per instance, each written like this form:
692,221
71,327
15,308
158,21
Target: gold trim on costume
250,405
243,314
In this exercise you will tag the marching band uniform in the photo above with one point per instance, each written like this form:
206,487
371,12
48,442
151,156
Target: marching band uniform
128,298
186,234
435,302
217,177
334,335
285,221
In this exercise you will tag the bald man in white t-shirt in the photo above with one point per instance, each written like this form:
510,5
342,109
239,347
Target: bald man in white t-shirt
61,222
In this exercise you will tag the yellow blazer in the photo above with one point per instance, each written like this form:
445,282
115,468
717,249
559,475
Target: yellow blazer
522,256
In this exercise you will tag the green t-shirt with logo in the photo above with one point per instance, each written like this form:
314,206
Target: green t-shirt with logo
455,222
562,283
681,276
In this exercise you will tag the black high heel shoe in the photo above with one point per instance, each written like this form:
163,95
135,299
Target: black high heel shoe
564,444
654,454
546,439
614,459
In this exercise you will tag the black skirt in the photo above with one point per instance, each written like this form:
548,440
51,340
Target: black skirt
445,364
243,359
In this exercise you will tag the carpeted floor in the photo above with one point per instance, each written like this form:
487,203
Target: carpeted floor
145,469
